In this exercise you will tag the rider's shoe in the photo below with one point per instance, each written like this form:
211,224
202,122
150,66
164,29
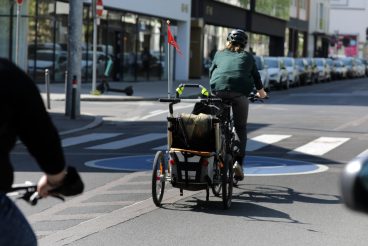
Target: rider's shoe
238,170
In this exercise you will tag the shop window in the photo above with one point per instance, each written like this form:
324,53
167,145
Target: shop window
239,3
276,8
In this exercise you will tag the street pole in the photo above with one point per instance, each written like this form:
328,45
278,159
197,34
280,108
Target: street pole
75,23
94,46
17,36
168,68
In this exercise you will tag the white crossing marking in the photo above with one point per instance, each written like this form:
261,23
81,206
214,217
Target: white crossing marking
263,140
365,152
320,146
130,141
163,147
87,138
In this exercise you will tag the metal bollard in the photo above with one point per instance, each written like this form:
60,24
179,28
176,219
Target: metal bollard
47,88
74,97
66,80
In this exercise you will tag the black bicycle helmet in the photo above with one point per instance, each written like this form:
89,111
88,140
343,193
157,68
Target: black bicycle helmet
237,36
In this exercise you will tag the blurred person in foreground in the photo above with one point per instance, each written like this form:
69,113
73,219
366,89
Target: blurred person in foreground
23,116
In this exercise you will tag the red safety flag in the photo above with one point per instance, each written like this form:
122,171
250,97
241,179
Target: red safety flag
172,41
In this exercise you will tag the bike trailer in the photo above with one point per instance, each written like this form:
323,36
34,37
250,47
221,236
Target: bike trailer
193,147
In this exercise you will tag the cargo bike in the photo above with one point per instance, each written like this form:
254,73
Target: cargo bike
199,149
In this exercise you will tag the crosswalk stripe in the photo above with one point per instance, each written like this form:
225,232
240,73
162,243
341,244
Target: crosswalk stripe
320,146
162,147
87,138
263,140
130,141
365,152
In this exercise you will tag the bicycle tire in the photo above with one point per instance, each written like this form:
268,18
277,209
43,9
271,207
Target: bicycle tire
158,178
227,181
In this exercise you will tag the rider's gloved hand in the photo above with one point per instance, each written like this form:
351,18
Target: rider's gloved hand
49,182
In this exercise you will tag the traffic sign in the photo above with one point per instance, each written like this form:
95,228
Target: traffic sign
19,2
99,8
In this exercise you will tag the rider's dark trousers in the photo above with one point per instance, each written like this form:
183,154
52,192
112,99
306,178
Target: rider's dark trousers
14,228
240,107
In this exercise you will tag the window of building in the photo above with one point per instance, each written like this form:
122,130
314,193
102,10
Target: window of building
259,44
321,20
5,19
277,8
239,3
214,39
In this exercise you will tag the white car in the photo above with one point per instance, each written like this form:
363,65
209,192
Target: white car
324,73
44,59
263,71
293,72
278,75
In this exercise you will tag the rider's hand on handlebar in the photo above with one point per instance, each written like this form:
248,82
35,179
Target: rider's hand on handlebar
49,182
261,93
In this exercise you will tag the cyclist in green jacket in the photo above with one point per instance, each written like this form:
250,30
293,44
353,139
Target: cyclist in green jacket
233,75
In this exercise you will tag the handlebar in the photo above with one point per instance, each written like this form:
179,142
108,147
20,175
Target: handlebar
71,185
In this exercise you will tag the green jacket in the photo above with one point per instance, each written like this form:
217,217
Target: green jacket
234,71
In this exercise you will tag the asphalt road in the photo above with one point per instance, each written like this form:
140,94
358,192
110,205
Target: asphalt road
322,126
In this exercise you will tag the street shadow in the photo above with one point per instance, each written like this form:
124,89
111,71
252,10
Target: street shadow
251,203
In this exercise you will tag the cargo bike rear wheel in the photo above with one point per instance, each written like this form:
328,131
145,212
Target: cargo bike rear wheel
158,178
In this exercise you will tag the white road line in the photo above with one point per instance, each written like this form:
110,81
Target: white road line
263,140
365,152
163,147
166,111
130,141
320,146
87,138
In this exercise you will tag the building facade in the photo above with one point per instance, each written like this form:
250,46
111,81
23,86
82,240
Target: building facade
131,33
264,21
318,34
297,29
349,26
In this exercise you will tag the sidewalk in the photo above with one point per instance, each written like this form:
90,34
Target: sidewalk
143,91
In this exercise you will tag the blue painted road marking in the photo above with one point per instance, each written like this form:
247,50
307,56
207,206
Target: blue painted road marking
253,165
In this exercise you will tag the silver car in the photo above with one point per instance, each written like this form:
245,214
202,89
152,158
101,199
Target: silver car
293,72
263,71
278,75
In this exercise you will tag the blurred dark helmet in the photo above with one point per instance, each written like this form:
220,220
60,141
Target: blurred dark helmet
238,36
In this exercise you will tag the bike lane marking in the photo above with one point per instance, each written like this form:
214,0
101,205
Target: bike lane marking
253,165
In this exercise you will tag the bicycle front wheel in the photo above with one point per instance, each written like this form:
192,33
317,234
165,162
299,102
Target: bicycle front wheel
158,178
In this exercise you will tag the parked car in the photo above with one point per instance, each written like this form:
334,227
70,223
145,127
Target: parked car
323,69
45,59
365,62
305,73
278,75
293,72
313,69
360,67
350,65
338,69
263,71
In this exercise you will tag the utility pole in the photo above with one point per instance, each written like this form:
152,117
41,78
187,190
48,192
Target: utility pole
75,23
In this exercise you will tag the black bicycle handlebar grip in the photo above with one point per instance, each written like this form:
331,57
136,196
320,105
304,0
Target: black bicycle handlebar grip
72,184
169,100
